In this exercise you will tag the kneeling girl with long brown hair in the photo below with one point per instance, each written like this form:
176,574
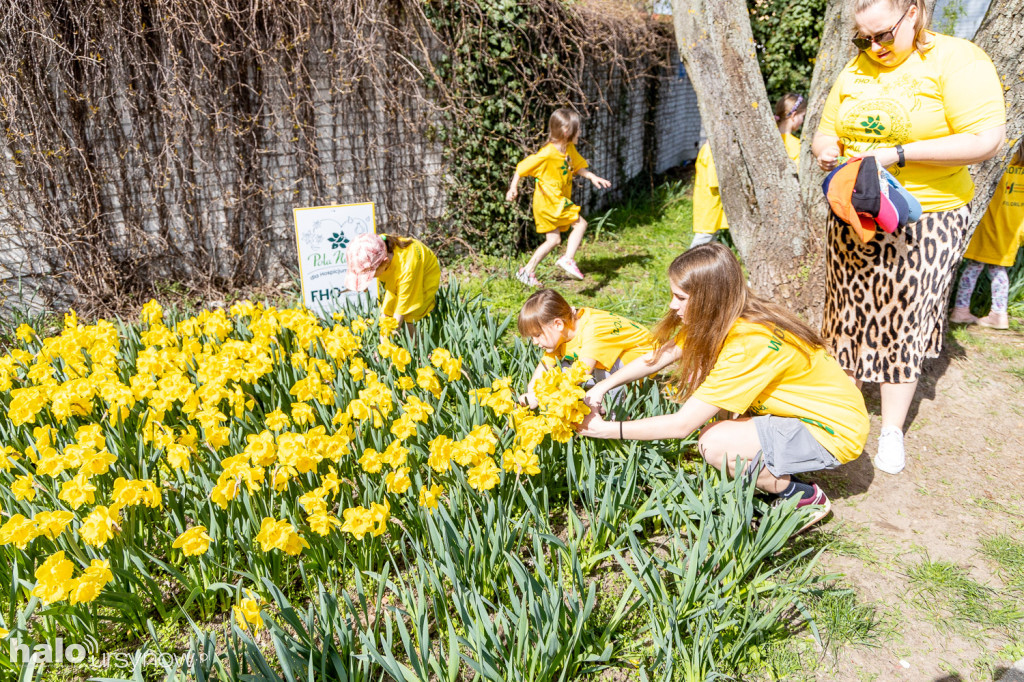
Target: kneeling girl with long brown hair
738,353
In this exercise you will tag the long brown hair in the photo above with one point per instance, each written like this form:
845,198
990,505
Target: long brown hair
718,296
543,307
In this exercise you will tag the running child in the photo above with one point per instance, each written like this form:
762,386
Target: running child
554,167
737,353
789,116
994,246
405,267
600,340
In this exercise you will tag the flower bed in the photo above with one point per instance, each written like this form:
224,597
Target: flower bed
241,460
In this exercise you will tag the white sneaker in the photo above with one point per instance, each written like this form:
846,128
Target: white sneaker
891,457
569,265
527,278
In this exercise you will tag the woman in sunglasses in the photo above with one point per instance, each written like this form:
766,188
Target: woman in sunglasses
925,106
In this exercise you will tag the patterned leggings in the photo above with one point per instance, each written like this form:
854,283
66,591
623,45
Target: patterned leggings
1000,285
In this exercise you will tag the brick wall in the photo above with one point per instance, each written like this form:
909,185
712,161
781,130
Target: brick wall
358,150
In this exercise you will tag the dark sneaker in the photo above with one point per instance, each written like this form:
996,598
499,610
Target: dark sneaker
819,500
819,507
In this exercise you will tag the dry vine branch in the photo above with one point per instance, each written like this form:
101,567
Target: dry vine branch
150,141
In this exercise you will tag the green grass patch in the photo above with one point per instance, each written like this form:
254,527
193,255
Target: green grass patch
956,602
845,621
1008,553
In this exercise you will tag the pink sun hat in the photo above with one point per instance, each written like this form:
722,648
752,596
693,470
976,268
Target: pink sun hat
363,256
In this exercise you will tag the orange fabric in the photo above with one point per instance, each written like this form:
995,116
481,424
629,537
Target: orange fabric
840,193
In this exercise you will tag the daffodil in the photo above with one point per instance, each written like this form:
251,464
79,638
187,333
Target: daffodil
52,523
24,488
398,481
78,491
430,496
99,526
322,523
358,522
53,579
280,535
193,542
440,454
18,531
247,614
276,420
484,476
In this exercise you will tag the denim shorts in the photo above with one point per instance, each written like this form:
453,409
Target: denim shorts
787,447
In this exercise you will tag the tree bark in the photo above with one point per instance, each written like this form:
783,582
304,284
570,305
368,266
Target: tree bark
777,220
1001,35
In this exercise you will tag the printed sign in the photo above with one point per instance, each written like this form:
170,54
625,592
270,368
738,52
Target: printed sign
322,234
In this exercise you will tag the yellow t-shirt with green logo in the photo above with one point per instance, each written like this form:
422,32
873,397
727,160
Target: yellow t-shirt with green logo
410,282
951,88
708,214
762,371
792,143
606,338
552,196
999,234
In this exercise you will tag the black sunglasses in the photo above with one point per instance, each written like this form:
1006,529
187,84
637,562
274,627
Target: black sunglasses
885,38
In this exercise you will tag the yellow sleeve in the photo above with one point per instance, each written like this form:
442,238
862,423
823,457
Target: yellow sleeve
578,162
827,124
406,280
792,144
744,369
530,166
387,306
712,175
973,96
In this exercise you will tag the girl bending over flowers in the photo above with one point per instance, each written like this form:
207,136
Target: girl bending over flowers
738,353
407,269
601,341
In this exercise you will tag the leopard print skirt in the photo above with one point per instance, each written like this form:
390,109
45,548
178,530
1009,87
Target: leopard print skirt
885,301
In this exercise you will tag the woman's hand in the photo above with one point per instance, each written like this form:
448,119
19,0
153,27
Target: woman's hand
594,426
828,157
600,183
512,194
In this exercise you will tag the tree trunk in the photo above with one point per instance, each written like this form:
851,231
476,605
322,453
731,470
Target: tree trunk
776,219
760,191
1001,35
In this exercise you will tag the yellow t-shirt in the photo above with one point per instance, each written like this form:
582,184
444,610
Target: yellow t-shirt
606,338
552,196
951,88
410,282
1001,230
792,143
763,372
708,214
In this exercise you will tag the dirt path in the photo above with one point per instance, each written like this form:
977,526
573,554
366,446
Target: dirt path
915,544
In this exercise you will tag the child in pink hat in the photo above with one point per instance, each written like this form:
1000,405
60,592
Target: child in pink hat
405,267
